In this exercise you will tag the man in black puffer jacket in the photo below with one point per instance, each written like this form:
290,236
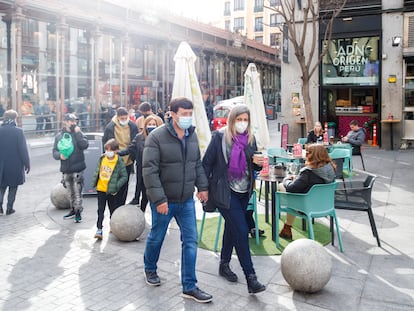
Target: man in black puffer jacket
73,166
171,168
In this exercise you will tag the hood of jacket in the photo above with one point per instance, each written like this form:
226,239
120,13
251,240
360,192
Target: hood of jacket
326,172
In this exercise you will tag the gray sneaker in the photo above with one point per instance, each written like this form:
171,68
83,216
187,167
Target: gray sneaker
152,278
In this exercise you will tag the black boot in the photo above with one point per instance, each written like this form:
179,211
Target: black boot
10,211
225,271
253,285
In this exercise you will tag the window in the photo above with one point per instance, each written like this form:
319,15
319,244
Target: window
273,22
238,24
227,25
259,39
275,39
274,2
258,5
238,5
258,24
227,8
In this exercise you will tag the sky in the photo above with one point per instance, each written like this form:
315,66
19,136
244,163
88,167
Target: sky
202,10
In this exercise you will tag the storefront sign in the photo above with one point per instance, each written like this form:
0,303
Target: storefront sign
352,61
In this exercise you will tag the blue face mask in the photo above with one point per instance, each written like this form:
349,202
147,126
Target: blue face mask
185,122
150,128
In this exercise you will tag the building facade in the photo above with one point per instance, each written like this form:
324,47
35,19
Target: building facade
254,19
91,55
366,74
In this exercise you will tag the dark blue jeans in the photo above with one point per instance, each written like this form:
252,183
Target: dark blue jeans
236,232
184,214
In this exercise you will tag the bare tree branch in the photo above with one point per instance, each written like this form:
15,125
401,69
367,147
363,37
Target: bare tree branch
302,41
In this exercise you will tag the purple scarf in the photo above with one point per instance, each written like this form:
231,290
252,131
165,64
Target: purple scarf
237,163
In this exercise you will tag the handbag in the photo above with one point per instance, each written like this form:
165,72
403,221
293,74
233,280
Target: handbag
218,195
65,145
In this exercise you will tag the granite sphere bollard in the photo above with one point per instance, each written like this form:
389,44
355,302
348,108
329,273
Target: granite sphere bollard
60,197
127,222
306,265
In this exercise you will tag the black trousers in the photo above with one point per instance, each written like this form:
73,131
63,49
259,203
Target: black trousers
10,197
113,204
124,188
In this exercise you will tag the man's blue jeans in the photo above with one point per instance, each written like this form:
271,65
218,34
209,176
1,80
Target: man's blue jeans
184,214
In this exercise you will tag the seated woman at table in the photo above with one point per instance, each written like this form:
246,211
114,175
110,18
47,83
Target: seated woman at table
315,135
229,163
319,169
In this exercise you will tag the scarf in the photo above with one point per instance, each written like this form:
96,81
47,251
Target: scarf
237,163
9,122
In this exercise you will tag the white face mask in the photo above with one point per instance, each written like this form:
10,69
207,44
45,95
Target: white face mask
109,153
241,126
123,123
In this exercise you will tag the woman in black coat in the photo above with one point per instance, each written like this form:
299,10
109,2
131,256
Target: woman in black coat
14,159
136,148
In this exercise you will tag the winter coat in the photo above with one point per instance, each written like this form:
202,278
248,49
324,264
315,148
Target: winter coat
313,138
14,156
118,178
215,164
109,133
170,168
308,177
356,139
76,162
136,149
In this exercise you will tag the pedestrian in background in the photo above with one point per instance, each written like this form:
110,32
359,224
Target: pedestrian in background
109,177
146,110
172,168
14,159
136,148
72,167
229,165
124,131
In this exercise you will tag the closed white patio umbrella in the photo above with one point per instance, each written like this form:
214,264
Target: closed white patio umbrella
254,100
186,85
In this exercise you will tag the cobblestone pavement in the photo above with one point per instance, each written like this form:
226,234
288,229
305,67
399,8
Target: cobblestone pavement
48,263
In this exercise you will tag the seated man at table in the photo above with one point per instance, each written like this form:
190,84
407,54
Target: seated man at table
355,137
319,169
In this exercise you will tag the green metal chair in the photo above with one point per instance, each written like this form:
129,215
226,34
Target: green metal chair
251,206
302,140
346,156
318,202
346,147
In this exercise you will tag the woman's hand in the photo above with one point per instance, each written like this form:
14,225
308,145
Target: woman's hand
258,159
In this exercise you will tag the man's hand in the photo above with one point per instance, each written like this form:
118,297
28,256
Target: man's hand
27,169
62,157
163,208
203,196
